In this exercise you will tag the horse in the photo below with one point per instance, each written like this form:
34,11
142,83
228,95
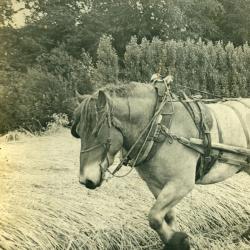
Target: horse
118,117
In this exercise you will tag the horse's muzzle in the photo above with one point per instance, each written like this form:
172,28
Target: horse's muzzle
89,184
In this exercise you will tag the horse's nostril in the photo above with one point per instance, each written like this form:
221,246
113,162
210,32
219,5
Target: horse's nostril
81,182
90,184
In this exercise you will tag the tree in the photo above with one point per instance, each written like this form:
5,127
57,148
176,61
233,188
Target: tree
107,68
80,24
235,22
6,11
141,18
202,18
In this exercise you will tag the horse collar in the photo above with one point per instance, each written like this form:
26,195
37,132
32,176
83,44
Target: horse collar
151,135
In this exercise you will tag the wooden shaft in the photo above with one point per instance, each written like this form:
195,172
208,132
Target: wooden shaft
223,147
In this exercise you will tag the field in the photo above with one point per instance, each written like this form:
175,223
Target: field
42,205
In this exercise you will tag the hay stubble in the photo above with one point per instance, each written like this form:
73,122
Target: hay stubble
42,205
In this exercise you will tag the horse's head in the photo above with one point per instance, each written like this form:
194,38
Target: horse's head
101,139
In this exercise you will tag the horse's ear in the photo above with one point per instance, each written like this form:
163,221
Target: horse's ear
73,130
79,96
75,123
101,100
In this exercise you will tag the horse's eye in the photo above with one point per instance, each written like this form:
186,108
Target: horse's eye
77,129
95,133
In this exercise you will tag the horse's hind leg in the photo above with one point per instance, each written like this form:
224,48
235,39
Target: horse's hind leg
161,213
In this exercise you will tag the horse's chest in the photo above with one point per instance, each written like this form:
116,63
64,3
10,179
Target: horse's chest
155,176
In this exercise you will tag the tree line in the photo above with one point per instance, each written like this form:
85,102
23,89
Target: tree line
70,45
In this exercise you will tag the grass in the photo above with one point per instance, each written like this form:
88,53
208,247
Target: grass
42,205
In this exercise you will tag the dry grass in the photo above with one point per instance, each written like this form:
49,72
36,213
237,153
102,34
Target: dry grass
42,206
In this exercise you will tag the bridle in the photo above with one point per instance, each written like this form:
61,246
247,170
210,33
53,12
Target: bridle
136,159
105,117
105,157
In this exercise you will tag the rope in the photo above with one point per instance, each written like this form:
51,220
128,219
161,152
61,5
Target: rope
200,91
121,176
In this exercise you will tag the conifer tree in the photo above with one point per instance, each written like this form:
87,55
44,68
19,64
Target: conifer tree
107,68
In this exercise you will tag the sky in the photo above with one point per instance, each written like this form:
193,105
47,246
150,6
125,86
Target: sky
19,18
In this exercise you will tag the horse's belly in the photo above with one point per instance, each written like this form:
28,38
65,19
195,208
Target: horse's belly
231,126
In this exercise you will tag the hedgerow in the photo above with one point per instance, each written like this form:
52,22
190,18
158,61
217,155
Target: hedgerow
218,68
30,99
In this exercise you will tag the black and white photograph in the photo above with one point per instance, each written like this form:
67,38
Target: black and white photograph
124,125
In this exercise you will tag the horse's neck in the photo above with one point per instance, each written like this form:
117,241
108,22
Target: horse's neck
134,112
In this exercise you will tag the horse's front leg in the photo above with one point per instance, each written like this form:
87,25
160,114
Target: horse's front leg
161,217
170,219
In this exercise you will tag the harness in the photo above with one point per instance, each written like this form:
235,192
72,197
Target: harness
161,128
146,141
151,134
203,122
158,130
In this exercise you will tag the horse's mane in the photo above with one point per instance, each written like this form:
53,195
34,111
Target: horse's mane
125,89
86,112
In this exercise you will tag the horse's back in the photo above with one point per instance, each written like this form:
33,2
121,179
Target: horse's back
231,126
231,122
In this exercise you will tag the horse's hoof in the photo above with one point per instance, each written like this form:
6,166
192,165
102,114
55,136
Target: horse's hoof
179,241
246,235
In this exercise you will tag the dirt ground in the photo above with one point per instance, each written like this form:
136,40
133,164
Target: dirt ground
42,205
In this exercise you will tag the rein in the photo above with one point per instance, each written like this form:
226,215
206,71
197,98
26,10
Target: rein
155,126
107,116
199,91
151,130
155,118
